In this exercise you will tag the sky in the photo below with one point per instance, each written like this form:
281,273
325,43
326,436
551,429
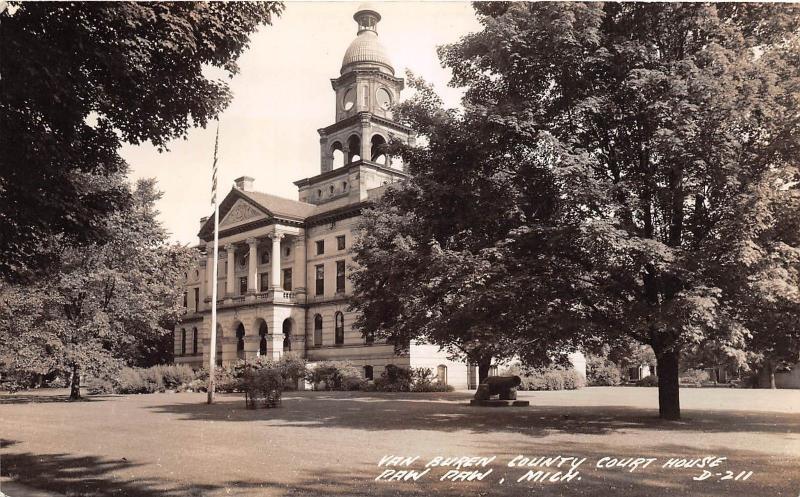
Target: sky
283,94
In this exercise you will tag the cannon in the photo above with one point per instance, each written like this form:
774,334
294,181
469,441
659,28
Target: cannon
504,387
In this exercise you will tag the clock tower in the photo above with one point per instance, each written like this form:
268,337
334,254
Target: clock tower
365,92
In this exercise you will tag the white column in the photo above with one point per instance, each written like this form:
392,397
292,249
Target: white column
209,268
275,261
230,287
252,268
299,276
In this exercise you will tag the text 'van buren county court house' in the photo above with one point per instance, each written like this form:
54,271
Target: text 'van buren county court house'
282,280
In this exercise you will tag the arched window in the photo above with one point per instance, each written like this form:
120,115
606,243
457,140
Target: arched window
338,155
183,341
194,341
317,331
354,149
378,149
287,335
262,343
441,374
339,321
368,374
240,341
220,336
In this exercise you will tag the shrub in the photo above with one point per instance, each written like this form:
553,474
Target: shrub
291,368
394,379
551,378
694,377
331,375
423,380
99,386
352,383
174,375
602,372
262,387
648,381
196,385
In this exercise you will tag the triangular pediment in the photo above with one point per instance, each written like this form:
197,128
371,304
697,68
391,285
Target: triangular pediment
241,212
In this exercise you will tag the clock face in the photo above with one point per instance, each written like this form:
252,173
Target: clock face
349,99
384,98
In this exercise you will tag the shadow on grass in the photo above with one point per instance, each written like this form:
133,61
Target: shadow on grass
86,476
447,413
91,476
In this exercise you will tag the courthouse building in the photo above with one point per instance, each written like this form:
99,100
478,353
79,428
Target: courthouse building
283,282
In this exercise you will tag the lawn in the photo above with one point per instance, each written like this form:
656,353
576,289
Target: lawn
321,443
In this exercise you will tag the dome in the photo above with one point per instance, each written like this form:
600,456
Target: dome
366,50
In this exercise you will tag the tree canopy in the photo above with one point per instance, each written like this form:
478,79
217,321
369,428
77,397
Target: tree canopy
613,164
80,78
104,304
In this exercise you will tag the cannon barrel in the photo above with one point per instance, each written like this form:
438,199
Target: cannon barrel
504,386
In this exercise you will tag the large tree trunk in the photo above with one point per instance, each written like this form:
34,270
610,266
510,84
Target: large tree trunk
483,369
771,370
75,384
669,405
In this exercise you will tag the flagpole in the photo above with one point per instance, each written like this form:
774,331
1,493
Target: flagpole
212,356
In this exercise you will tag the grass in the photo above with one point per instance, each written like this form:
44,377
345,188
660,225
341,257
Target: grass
329,443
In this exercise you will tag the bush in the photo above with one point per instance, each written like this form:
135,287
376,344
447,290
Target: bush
174,375
602,372
551,378
423,380
648,381
353,383
99,386
394,379
262,387
694,377
332,375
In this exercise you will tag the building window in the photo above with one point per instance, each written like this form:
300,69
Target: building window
287,279
240,341
196,299
368,372
287,251
339,276
287,335
320,279
262,343
320,247
317,331
340,242
194,341
441,374
243,261
243,285
264,282
185,298
339,322
265,257
183,342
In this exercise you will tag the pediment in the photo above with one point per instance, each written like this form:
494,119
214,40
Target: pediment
240,213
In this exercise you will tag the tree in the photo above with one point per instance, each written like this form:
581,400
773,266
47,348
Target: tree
104,302
676,110
430,255
602,156
761,269
80,78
